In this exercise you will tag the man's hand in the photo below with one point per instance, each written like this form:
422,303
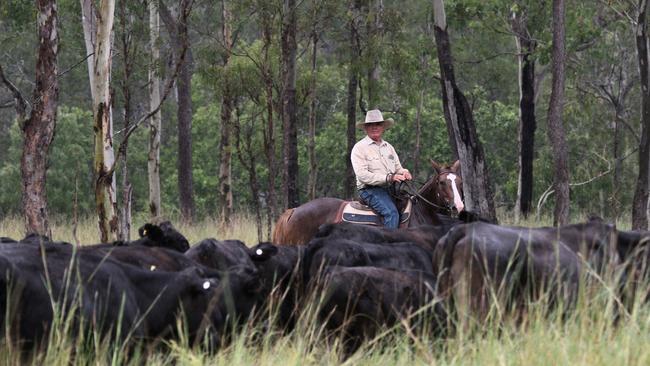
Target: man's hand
400,177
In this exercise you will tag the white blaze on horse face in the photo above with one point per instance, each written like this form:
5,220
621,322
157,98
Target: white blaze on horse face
458,202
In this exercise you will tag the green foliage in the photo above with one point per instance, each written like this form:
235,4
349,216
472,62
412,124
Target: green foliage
70,161
601,54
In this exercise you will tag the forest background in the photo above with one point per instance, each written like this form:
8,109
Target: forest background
227,75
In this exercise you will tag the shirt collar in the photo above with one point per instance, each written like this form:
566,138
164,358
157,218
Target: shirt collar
369,141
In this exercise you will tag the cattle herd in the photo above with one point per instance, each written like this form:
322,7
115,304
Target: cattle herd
355,280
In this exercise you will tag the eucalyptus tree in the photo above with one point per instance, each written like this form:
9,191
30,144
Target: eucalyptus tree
155,123
178,29
38,128
289,118
640,204
227,106
98,30
476,184
555,130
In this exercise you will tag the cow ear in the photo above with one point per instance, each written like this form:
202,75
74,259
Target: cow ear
263,251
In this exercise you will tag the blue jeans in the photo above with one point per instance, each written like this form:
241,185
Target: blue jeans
380,200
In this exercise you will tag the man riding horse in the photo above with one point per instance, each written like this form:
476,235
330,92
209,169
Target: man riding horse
376,166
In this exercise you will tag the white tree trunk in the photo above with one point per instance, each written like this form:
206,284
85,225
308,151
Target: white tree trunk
100,76
89,23
153,161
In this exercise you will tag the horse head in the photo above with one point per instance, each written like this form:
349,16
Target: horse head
447,186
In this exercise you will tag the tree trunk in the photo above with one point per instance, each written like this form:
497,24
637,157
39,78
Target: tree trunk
247,158
289,121
178,32
555,127
225,150
125,44
311,146
38,130
105,195
89,25
527,122
375,31
418,133
640,203
424,64
350,178
476,183
155,124
269,131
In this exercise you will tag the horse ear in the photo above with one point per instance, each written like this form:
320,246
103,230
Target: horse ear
456,166
435,166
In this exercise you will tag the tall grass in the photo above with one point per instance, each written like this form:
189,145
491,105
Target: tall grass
595,332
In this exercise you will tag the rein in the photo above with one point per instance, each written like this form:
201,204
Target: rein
414,193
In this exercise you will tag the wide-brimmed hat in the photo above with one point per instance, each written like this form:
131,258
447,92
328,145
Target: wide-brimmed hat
374,116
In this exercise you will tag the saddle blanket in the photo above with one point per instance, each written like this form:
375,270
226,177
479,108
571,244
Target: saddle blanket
358,213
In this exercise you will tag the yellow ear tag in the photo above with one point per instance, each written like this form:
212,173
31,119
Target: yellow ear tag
144,232
153,268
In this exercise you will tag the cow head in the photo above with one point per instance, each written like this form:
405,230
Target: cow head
163,235
219,254
262,252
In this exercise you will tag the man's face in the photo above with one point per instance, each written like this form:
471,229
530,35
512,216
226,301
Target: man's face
374,130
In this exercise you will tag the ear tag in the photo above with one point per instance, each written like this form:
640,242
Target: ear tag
152,268
206,285
144,232
259,252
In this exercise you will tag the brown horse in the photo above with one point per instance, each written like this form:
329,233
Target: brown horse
440,194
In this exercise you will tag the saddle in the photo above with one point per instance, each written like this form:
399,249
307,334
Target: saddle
357,212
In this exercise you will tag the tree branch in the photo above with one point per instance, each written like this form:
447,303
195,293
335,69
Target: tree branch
20,102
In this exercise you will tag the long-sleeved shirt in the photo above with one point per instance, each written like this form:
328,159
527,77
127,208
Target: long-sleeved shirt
373,161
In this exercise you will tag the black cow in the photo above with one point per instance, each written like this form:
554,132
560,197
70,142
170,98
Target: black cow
279,270
159,248
108,294
634,249
149,258
325,252
426,236
272,267
220,254
478,262
357,302
162,235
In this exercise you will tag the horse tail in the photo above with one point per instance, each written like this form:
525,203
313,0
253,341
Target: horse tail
281,232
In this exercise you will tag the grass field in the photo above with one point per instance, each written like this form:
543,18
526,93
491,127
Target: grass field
588,335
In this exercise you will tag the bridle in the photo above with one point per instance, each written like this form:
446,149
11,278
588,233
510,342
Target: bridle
414,193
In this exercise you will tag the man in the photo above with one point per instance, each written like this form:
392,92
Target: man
376,166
